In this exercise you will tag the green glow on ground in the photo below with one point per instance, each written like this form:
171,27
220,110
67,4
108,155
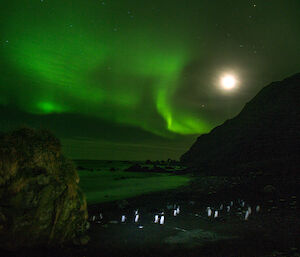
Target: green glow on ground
105,186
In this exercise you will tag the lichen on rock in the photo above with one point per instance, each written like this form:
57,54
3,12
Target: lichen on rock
40,201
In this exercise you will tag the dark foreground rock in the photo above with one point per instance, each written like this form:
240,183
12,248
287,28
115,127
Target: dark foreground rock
264,137
40,202
139,168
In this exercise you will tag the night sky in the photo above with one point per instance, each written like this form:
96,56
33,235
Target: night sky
136,80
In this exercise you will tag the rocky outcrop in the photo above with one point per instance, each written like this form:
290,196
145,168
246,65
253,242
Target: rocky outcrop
40,202
265,135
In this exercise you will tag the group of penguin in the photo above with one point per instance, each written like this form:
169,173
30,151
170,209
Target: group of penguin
241,204
211,213
158,218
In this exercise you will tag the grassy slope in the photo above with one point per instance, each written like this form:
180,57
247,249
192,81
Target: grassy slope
105,186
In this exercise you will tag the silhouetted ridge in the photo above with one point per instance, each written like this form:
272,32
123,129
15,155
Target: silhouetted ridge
264,135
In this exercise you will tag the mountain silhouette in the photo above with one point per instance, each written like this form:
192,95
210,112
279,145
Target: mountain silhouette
264,136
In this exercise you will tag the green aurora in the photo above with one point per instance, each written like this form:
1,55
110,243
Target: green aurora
147,65
94,67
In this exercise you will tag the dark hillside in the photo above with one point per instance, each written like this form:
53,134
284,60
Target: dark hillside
264,136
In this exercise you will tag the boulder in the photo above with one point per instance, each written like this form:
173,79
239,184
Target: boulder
158,169
268,189
137,168
40,201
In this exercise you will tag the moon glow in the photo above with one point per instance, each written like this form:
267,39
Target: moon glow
228,82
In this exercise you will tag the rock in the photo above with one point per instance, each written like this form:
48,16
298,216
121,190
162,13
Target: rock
40,201
263,137
170,168
43,180
148,162
83,240
269,189
158,169
137,168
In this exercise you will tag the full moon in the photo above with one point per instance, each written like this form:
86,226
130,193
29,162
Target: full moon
228,82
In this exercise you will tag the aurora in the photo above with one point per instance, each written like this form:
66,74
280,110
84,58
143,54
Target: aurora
78,68
150,70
